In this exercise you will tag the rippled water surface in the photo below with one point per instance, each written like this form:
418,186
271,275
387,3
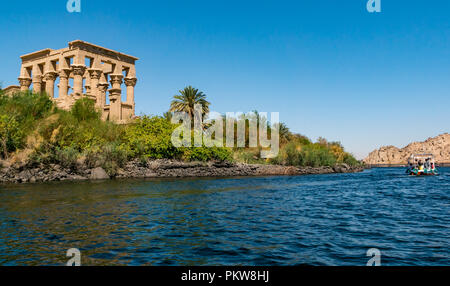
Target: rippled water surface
315,220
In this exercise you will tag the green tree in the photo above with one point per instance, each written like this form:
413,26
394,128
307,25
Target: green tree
285,134
187,99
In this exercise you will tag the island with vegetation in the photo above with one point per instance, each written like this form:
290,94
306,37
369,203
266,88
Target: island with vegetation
40,142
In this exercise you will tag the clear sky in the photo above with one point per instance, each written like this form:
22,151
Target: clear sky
329,67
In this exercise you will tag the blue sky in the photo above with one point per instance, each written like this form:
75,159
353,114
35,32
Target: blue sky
329,67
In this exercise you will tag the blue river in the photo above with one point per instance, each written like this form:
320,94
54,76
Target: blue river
297,220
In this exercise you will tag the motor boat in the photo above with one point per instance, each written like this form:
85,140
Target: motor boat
422,165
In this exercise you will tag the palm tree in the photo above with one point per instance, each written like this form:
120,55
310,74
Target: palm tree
168,116
187,99
284,132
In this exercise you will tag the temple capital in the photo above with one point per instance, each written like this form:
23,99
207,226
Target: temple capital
50,76
116,79
78,70
25,83
64,73
130,81
95,73
103,86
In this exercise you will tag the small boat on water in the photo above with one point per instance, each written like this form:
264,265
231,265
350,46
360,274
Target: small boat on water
422,165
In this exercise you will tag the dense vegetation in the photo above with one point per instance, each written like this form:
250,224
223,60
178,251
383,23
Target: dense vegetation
300,151
31,124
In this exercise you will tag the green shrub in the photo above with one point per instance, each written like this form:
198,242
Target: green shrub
66,157
248,156
84,109
206,154
19,115
11,136
292,156
350,160
26,107
317,155
313,155
112,157
150,137
68,131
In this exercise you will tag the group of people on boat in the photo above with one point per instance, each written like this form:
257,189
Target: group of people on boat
418,166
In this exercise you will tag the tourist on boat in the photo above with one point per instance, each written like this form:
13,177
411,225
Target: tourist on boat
427,164
421,166
410,167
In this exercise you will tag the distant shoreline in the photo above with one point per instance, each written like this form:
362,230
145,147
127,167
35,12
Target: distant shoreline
401,165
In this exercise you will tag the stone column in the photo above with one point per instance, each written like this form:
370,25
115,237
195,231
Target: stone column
87,83
50,78
115,107
37,83
95,77
78,72
130,83
24,79
64,82
102,89
37,79
25,83
115,97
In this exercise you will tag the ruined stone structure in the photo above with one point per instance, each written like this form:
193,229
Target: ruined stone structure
97,73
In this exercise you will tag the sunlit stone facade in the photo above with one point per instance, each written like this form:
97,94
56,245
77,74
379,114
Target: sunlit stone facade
95,72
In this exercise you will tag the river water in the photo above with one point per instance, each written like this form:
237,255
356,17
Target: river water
299,220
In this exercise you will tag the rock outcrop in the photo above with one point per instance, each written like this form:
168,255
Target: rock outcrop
98,174
439,146
162,168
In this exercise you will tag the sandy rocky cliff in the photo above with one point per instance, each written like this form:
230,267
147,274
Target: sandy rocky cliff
391,155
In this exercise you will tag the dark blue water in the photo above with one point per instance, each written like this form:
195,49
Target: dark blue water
314,220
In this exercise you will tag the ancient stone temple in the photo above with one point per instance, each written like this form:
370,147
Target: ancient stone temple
95,72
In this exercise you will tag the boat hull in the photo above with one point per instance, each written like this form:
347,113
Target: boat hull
419,174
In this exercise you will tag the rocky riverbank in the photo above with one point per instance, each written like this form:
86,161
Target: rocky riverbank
158,169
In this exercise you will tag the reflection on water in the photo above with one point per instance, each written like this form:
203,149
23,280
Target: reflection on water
318,220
